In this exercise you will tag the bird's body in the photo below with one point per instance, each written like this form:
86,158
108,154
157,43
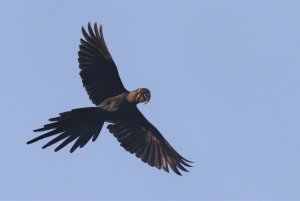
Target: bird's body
114,105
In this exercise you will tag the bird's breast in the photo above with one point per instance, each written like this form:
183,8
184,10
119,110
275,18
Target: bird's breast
114,104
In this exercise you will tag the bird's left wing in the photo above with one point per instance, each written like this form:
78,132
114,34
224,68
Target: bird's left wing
99,73
138,136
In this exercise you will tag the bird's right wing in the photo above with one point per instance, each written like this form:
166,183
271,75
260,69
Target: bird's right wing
138,136
99,73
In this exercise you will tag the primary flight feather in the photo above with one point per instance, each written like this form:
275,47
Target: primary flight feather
114,105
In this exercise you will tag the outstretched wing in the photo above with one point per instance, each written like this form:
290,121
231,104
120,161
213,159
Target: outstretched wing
79,125
99,73
138,136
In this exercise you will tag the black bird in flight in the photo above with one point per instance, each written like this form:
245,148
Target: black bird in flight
115,105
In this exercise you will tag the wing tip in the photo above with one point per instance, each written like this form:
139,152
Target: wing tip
187,160
38,130
34,140
82,29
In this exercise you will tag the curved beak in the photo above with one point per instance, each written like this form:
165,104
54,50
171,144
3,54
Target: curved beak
147,97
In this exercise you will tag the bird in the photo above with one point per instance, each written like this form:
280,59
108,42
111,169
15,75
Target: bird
114,105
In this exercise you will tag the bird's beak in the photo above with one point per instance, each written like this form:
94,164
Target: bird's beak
147,97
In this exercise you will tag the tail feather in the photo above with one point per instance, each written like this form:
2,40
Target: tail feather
80,124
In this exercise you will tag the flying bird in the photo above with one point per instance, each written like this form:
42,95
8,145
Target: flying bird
114,105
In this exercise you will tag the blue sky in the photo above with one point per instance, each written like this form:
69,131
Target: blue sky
224,78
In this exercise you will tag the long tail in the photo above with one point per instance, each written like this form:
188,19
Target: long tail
82,124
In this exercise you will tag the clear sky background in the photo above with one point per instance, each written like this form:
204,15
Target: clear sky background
225,84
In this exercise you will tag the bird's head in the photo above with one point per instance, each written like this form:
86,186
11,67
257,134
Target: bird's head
139,96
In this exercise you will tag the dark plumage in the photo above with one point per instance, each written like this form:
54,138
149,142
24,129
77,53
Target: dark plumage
115,105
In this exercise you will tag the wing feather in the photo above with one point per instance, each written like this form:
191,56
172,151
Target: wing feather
99,73
138,136
80,125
